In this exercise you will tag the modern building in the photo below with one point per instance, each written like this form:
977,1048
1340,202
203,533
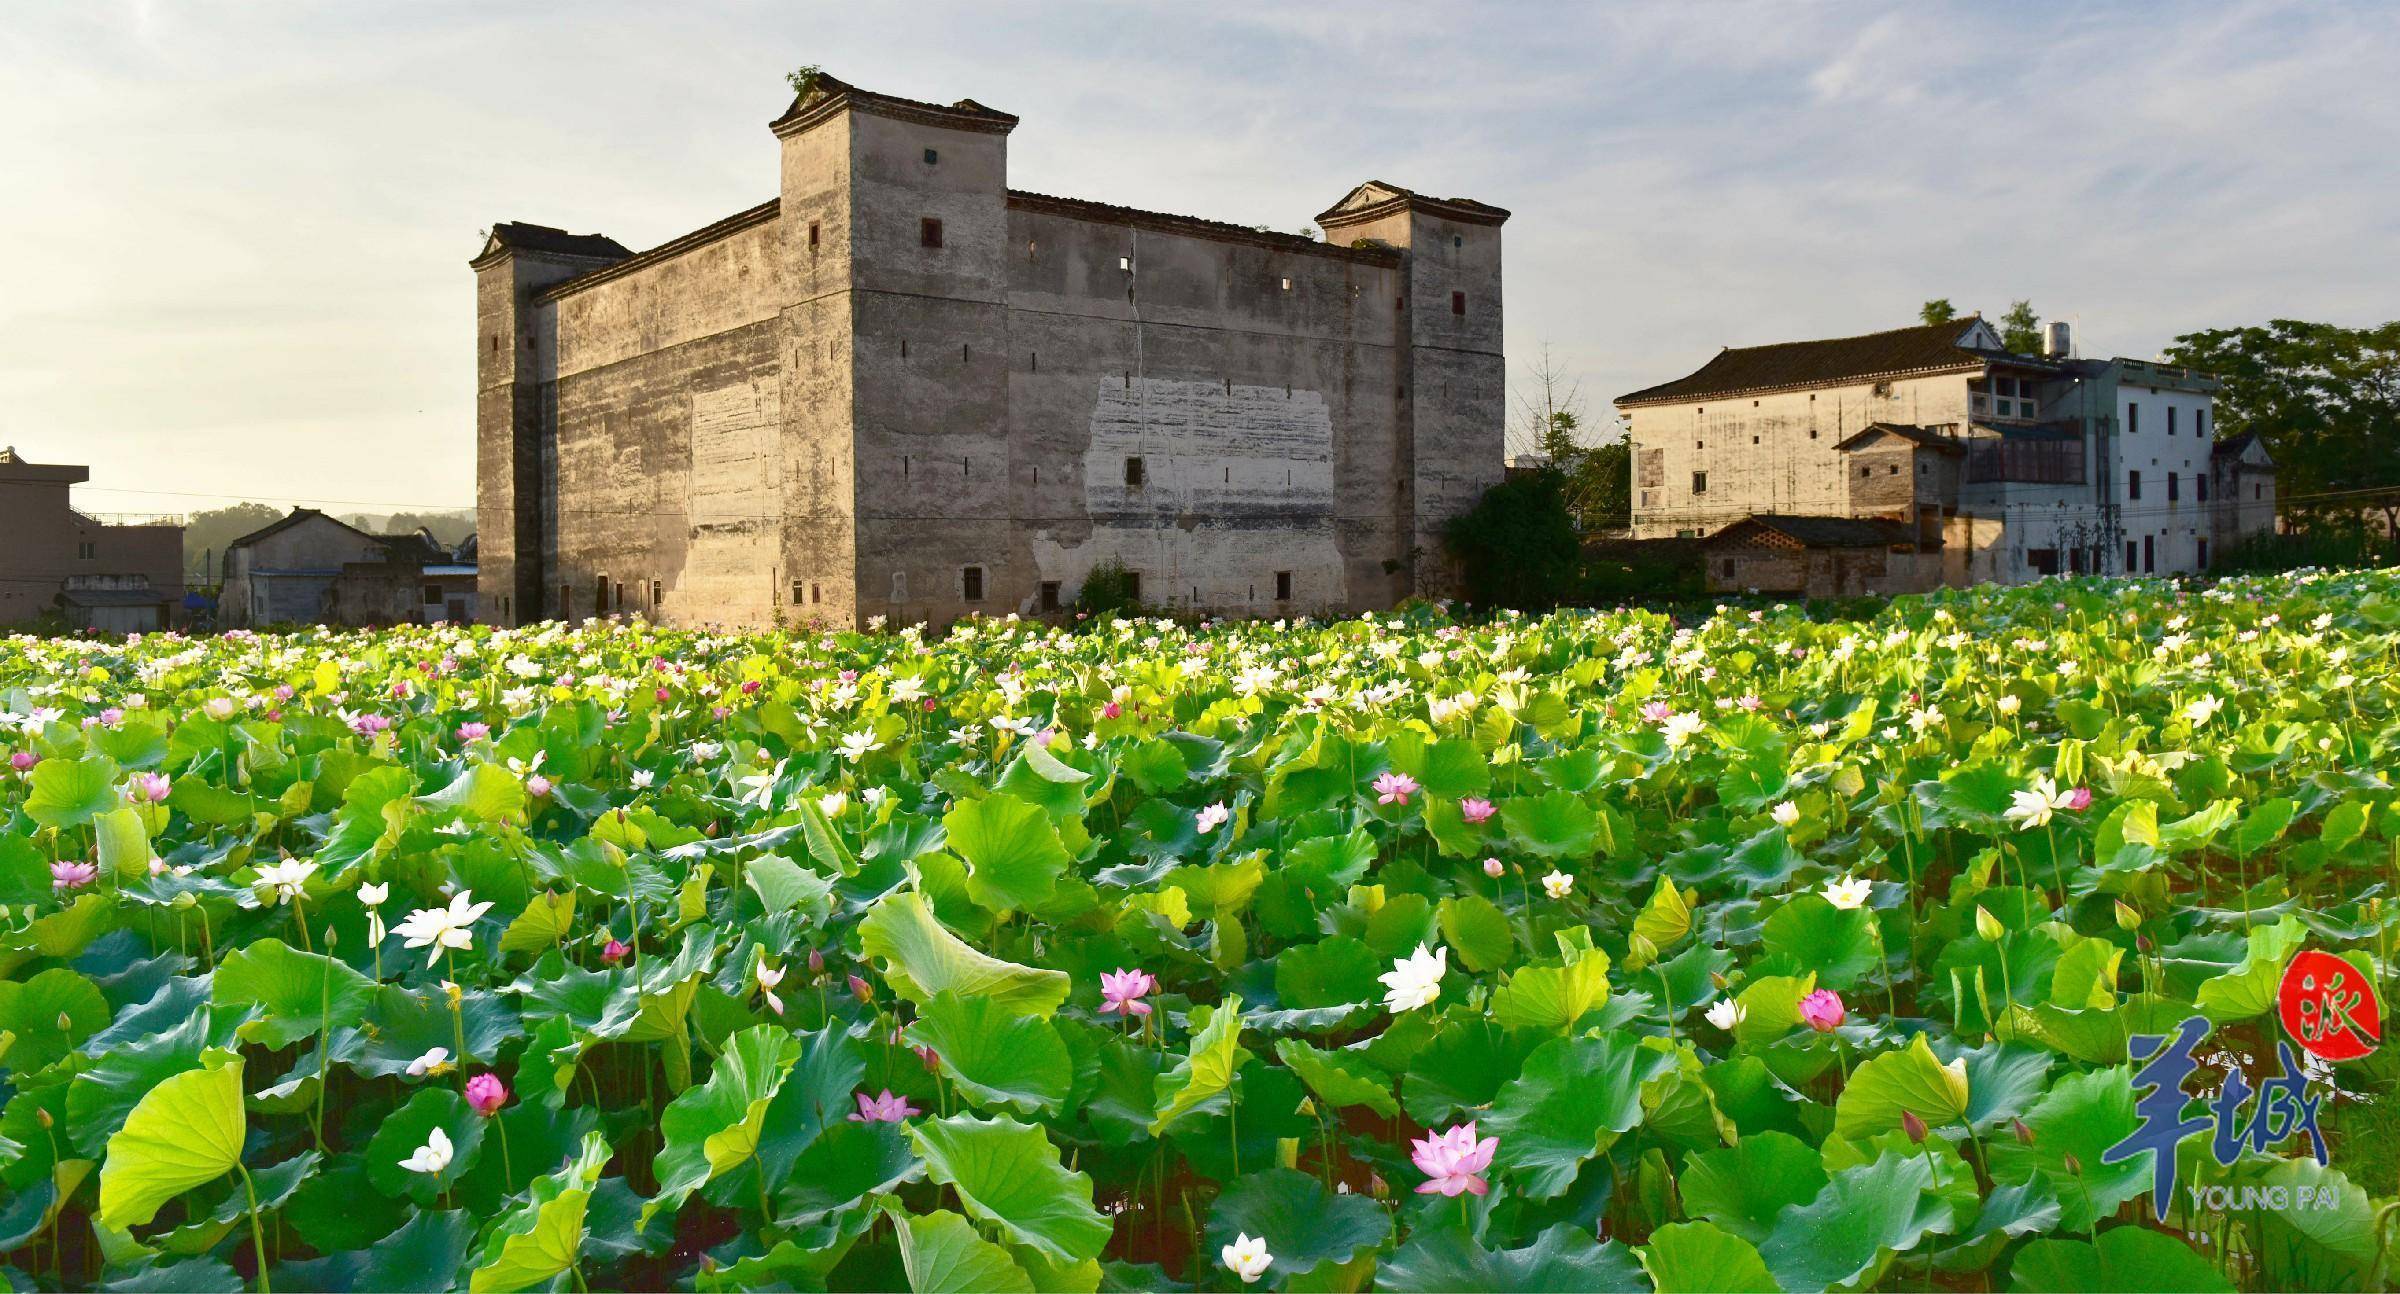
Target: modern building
901,388
2008,466
309,568
120,575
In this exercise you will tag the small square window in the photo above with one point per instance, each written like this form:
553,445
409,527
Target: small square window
971,583
1283,586
932,156
1457,240
929,232
1287,285
1125,263
433,593
1136,472
1050,592
1458,303
1699,482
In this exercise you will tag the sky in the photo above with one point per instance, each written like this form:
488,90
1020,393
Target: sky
237,232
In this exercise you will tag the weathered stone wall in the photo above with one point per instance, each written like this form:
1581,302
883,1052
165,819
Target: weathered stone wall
1772,453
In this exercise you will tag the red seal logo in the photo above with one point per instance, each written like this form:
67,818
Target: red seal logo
2329,1007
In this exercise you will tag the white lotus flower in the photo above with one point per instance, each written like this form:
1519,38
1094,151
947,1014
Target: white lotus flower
860,744
435,1060
444,928
2203,710
1212,817
1558,884
1728,1014
1786,814
284,880
1848,893
433,1156
1415,980
1247,1257
2033,806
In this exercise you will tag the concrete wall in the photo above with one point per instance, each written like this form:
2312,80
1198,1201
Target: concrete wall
1771,453
819,416
44,542
1822,572
287,577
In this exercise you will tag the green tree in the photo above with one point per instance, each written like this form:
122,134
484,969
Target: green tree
1518,546
2324,398
1938,310
205,535
2021,329
1595,481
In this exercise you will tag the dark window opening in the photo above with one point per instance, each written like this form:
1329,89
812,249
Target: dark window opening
1891,469
1283,586
2133,485
929,232
1050,593
1699,482
2204,554
1136,473
1133,585
2149,554
433,593
657,591
797,590
2200,487
2129,557
1725,567
1458,303
2171,411
932,157
2044,561
971,583
2174,484
812,235
1458,240
2133,417
816,595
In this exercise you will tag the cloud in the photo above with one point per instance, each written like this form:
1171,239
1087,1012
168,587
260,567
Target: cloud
238,230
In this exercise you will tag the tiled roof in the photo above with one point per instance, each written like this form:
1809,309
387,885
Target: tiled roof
1925,436
829,95
1376,197
1168,222
295,517
519,236
1826,532
1737,369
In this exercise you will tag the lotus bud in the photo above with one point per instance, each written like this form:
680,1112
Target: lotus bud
1914,1127
816,961
2024,1133
1307,1109
931,1058
2128,917
861,989
1989,926
65,1024
1287,1151
1640,951
1377,1187
330,935
42,1117
2073,1165
186,899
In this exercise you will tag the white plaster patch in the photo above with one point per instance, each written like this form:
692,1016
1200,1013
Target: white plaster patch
736,493
1236,484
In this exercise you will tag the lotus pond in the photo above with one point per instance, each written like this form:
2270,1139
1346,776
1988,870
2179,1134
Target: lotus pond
1597,951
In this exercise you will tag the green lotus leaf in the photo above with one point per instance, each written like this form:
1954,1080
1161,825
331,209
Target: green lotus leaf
399,1135
1911,1080
49,1014
922,958
1862,1217
1810,935
1463,1069
543,1238
1207,1070
1340,1079
1701,1258
1307,1226
296,993
998,1060
546,920
1011,849
1009,1175
1478,931
2249,989
1555,825
2124,1259
484,793
2082,1115
1576,1097
186,1131
1338,970
1563,1259
1666,918
1746,1186
72,792
943,1255
709,1129
1553,998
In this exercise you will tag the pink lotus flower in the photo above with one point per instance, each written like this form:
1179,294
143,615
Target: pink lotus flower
1454,1160
1657,712
1492,868
367,725
2079,799
23,760
1112,711
486,1094
1475,811
472,731
69,876
1395,788
1211,818
111,717
886,1108
152,787
613,951
1823,1010
750,688
283,692
1122,992
537,786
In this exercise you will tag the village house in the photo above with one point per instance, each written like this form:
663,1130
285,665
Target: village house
309,568
1993,465
900,388
118,575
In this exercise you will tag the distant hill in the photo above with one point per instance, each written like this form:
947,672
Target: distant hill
446,527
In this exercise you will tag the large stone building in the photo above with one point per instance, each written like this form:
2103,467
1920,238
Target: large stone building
1997,466
93,572
901,388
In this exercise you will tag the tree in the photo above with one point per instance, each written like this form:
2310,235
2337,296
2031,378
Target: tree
2324,398
1938,310
1518,547
1595,481
2021,329
205,535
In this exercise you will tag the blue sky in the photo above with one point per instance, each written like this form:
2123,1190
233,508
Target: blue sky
238,231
